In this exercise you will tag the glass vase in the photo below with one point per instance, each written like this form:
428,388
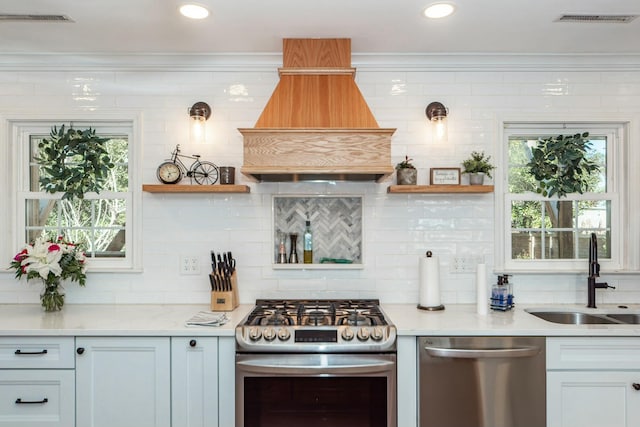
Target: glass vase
52,298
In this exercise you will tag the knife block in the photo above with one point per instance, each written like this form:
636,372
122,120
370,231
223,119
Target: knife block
226,301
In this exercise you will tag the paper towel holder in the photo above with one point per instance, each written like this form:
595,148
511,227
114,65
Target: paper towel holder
429,254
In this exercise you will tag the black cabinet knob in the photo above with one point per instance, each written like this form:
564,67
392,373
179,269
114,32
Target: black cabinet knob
636,386
80,350
193,343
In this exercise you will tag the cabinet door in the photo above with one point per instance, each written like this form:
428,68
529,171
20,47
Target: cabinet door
194,382
227,381
122,382
37,398
593,399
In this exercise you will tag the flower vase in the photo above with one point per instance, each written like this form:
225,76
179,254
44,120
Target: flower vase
51,297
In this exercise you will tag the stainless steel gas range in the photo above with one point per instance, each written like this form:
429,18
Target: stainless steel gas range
316,363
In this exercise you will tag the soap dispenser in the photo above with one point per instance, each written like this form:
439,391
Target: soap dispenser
502,294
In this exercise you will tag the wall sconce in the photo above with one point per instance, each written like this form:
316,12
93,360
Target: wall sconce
199,113
437,114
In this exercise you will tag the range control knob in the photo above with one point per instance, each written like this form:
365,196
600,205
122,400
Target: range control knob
284,334
269,334
255,334
347,334
363,334
377,334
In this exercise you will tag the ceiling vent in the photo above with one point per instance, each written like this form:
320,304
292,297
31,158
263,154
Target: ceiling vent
608,19
10,17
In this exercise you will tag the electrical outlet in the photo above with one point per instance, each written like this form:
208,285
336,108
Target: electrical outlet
465,264
189,264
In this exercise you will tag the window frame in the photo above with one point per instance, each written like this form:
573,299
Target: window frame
619,175
18,132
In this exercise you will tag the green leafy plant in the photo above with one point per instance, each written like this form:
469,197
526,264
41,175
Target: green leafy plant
560,165
74,162
405,164
478,162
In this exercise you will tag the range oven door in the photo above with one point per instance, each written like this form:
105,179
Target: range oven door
313,390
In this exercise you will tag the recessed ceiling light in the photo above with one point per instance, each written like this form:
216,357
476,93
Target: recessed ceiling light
439,10
194,11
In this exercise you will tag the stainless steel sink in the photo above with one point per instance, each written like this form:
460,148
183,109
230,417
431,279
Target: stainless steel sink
629,318
574,317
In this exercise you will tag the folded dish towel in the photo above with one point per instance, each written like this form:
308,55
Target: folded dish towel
208,318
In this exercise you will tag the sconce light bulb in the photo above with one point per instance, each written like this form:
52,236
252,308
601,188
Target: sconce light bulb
437,114
198,115
197,134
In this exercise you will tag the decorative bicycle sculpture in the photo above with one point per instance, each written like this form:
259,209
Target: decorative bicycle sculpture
171,171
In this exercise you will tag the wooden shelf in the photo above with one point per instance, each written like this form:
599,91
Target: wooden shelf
327,266
439,189
174,188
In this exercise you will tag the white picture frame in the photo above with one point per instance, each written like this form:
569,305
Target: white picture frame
445,176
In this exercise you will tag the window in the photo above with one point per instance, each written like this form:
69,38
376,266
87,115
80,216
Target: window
543,233
102,223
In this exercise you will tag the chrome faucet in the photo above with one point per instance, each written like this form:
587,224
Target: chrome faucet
594,271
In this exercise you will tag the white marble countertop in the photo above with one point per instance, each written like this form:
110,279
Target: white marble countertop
113,320
462,319
169,320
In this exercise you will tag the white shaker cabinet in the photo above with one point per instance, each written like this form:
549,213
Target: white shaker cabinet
593,382
194,382
227,381
37,382
123,382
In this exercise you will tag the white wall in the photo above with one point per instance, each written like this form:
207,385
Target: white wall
398,228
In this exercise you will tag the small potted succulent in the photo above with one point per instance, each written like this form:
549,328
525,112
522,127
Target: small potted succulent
406,173
477,166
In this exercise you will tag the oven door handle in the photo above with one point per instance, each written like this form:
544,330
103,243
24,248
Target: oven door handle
276,366
464,353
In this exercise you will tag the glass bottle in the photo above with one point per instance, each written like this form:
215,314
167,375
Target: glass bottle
293,255
307,248
282,250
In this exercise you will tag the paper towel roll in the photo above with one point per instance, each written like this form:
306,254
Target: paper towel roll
430,283
482,293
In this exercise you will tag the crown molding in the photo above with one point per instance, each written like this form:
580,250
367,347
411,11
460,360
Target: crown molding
271,61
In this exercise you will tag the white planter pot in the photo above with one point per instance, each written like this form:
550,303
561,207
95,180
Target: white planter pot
407,176
476,178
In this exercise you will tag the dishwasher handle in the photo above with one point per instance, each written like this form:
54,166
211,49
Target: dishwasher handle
472,353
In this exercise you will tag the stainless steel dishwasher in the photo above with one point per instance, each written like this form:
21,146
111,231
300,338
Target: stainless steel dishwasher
482,382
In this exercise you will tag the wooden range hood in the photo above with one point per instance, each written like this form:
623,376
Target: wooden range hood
317,125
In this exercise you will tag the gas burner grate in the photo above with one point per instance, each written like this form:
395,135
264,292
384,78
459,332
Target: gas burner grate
316,313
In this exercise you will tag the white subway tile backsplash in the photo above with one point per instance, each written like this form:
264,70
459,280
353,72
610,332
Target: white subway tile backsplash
398,229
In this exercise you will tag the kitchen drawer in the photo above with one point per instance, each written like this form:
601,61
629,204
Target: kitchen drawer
47,396
37,353
583,353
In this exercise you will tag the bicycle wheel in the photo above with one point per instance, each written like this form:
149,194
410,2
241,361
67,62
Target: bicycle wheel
205,173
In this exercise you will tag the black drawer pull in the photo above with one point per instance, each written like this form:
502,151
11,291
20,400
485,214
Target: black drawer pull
20,352
636,386
19,401
193,343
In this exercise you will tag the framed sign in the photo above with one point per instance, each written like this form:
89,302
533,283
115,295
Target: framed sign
445,176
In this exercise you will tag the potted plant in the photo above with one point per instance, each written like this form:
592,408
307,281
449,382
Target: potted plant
406,173
560,165
477,166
